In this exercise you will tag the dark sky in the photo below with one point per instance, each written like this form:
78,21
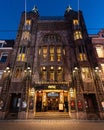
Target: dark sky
10,12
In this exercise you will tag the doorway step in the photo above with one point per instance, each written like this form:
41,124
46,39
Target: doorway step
51,115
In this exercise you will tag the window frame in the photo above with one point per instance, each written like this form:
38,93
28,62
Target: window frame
6,54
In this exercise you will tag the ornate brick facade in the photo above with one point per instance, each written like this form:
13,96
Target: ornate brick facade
53,68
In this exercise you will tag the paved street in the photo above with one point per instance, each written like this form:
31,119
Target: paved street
51,125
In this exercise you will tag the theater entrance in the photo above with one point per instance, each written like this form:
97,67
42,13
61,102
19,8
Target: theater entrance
52,100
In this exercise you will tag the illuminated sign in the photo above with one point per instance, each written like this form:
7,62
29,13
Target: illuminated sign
53,94
52,87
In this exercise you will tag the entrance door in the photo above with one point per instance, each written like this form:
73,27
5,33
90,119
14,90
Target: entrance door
53,101
91,103
15,103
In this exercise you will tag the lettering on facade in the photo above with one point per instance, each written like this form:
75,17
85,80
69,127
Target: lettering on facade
52,87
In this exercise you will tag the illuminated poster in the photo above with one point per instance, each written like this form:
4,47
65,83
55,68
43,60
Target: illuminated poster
61,106
72,104
80,106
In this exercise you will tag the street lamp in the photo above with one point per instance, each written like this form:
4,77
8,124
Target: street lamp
7,71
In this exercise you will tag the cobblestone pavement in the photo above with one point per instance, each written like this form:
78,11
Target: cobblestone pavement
51,125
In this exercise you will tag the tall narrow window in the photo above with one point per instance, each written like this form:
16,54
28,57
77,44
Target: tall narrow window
59,73
52,74
85,73
51,53
44,73
59,54
3,57
18,73
82,54
26,35
77,35
75,23
100,51
27,25
44,53
39,51
22,54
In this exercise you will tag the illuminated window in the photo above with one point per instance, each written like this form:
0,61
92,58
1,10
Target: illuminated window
51,53
22,54
85,73
27,25
44,53
18,73
59,54
59,74
3,57
39,51
44,73
82,54
102,66
52,74
100,51
26,36
77,35
75,23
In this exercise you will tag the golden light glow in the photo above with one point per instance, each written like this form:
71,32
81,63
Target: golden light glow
44,68
21,57
75,22
77,35
28,22
100,51
52,67
85,73
102,66
52,86
59,68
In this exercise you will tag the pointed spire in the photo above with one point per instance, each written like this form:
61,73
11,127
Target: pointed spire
35,10
68,8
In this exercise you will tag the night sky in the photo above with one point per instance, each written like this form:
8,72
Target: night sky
10,13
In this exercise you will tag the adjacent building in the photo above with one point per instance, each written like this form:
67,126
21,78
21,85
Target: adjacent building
6,49
98,45
53,68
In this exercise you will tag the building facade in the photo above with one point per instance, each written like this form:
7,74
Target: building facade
6,49
53,69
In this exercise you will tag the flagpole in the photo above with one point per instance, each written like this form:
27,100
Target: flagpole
25,11
78,11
